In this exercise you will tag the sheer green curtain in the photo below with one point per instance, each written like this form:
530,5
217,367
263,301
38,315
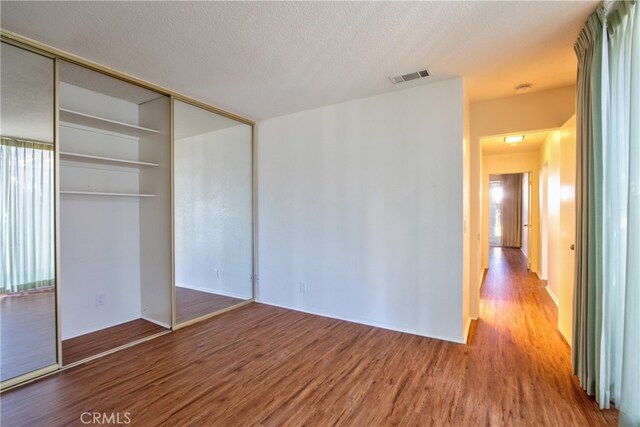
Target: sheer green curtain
606,347
589,135
26,206
625,128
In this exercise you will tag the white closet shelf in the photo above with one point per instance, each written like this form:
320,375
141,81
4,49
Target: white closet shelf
99,193
83,119
105,160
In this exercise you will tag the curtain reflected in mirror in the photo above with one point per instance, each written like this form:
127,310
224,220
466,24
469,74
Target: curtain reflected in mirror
27,248
212,213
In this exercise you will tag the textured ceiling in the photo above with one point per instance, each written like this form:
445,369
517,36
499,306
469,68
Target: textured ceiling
26,84
266,59
496,145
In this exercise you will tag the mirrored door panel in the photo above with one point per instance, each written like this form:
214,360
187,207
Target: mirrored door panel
27,231
213,213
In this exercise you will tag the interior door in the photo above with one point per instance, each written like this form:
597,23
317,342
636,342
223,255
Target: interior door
567,227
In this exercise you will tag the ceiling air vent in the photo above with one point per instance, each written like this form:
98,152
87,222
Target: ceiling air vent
410,76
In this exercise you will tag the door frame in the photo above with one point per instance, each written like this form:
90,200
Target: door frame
526,222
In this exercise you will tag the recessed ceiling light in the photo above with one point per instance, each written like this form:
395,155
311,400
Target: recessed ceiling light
513,139
524,87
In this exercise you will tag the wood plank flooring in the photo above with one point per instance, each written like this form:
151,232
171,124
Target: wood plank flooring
262,365
27,333
79,348
191,304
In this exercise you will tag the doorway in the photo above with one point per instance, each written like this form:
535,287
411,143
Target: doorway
509,211
526,217
495,213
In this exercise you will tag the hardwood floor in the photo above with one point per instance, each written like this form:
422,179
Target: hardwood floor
27,333
262,365
88,345
191,304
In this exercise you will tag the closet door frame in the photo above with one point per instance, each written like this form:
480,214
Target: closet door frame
47,370
254,278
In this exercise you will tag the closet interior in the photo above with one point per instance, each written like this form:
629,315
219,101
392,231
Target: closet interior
114,213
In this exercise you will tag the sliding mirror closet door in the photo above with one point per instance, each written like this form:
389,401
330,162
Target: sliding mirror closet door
213,212
27,202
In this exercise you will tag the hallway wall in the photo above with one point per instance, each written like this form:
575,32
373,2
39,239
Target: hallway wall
468,286
550,154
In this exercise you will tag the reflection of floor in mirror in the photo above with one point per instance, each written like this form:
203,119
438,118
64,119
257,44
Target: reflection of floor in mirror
27,331
87,345
191,304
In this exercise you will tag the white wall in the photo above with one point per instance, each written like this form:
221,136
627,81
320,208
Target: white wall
99,236
213,212
99,255
156,267
550,155
544,227
468,314
360,210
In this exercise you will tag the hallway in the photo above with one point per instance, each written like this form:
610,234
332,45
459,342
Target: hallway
271,366
517,337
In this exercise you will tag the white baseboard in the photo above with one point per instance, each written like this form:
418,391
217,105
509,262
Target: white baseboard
148,319
366,322
215,291
552,295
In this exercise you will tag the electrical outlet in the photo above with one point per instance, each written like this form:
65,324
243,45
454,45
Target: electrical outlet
99,299
303,287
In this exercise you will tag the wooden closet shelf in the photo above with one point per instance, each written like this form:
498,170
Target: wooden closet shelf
99,193
105,160
83,119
